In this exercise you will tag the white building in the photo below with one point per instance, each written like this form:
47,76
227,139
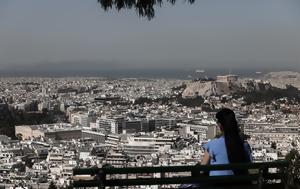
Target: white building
81,119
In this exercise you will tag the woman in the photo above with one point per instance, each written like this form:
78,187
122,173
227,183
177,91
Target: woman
229,148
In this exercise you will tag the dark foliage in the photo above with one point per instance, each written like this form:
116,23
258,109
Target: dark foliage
179,88
293,157
144,8
9,118
70,186
142,100
28,161
19,167
189,102
204,79
52,185
291,93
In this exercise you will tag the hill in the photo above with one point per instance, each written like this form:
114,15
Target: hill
284,78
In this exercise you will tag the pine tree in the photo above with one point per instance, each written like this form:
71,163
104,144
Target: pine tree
273,145
52,185
293,157
144,8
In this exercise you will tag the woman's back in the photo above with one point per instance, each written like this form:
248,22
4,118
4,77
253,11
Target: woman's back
218,154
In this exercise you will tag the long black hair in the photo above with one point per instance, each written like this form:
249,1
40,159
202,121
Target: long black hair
234,143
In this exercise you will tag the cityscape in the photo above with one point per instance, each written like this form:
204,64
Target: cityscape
149,94
64,123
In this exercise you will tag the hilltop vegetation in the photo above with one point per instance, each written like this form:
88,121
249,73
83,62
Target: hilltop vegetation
281,79
9,118
267,96
290,93
293,157
189,102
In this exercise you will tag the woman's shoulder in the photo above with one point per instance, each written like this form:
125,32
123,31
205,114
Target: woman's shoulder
218,139
214,142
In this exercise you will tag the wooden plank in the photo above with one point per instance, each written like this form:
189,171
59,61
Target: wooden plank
86,171
100,175
179,180
129,170
195,168
87,183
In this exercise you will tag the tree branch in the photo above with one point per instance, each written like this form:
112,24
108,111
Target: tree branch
144,8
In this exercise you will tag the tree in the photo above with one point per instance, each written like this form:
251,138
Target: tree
52,185
70,186
273,145
144,8
28,162
293,157
19,136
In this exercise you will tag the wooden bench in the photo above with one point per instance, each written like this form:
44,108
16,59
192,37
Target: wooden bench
261,176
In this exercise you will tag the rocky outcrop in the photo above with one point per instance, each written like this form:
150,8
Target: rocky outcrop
198,89
256,85
213,88
282,79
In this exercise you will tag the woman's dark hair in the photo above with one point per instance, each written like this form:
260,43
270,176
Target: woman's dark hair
234,144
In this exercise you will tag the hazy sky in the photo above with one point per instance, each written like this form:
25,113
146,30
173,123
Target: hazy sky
64,34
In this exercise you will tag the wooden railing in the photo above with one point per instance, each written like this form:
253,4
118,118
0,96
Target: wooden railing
260,176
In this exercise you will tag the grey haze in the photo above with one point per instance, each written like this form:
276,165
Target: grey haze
61,36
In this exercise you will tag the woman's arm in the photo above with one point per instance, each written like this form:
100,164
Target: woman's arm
205,159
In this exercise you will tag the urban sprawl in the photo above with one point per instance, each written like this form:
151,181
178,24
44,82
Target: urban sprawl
57,124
